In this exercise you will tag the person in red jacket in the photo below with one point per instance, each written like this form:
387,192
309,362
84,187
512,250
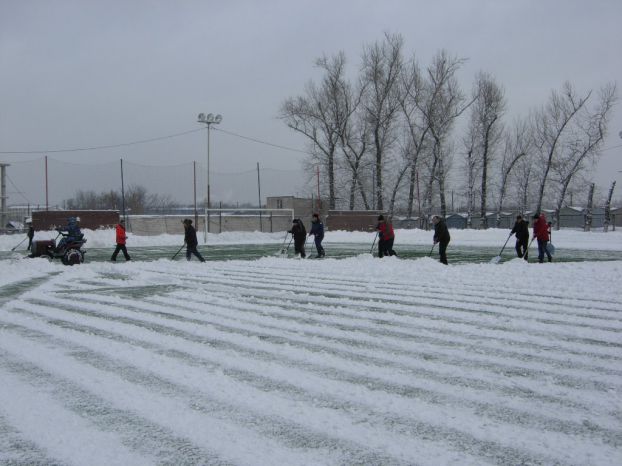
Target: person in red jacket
121,237
386,236
541,233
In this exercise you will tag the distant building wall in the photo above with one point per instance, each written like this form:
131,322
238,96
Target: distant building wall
92,219
352,220
303,208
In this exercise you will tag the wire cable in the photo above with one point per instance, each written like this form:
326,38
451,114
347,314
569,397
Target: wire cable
259,141
109,146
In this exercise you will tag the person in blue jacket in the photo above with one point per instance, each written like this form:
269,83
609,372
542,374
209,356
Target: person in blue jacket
317,230
73,232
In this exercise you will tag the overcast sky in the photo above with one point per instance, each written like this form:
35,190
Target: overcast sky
90,73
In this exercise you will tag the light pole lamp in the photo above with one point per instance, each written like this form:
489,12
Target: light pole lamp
209,120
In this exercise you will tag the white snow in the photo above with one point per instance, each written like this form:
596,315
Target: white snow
567,238
285,361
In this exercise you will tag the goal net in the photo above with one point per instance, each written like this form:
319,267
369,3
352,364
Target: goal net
216,221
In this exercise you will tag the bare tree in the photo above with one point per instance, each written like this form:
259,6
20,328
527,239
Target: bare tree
320,115
471,169
381,70
355,140
517,145
487,128
413,94
581,143
442,104
550,122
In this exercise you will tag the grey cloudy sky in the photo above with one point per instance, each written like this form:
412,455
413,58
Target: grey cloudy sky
89,73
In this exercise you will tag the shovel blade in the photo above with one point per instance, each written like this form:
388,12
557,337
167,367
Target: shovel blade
495,260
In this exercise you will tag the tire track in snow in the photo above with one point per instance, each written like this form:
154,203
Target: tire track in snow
405,297
138,433
292,434
434,313
462,441
492,411
16,450
420,283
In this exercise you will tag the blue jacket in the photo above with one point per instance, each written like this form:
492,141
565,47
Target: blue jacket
317,229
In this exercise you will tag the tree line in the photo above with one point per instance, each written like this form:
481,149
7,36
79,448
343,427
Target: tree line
137,200
388,139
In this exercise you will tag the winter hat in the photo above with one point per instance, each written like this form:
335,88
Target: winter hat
380,217
187,221
536,215
122,221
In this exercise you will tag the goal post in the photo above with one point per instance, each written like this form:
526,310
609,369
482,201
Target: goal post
243,219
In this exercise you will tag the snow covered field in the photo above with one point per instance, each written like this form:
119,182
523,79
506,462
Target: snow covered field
276,361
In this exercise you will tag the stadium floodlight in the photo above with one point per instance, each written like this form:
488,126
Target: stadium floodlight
208,120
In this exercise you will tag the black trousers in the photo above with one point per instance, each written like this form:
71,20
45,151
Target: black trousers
442,250
190,250
385,248
521,248
299,247
120,247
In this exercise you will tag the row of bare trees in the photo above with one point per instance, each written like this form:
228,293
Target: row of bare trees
387,139
137,200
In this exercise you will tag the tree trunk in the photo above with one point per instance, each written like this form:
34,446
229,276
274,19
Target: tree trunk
588,211
608,208
411,191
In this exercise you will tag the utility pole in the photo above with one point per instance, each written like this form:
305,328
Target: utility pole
3,196
123,194
47,204
259,196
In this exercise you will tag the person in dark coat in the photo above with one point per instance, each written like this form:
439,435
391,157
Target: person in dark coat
30,235
317,230
299,233
121,238
541,234
190,239
521,230
386,236
441,236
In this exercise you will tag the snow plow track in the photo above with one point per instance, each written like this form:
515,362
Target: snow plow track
357,361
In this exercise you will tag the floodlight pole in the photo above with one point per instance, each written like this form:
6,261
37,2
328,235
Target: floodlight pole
208,120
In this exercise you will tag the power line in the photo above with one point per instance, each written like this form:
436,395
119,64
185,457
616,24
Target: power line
109,146
261,142
170,136
17,189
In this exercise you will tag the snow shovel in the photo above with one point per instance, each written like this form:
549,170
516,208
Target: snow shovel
550,247
497,259
371,251
283,245
527,250
284,251
182,246
430,254
16,246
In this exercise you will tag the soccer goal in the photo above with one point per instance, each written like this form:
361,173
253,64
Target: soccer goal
243,219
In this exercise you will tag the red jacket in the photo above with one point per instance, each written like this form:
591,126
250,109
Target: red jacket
541,229
385,230
121,234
